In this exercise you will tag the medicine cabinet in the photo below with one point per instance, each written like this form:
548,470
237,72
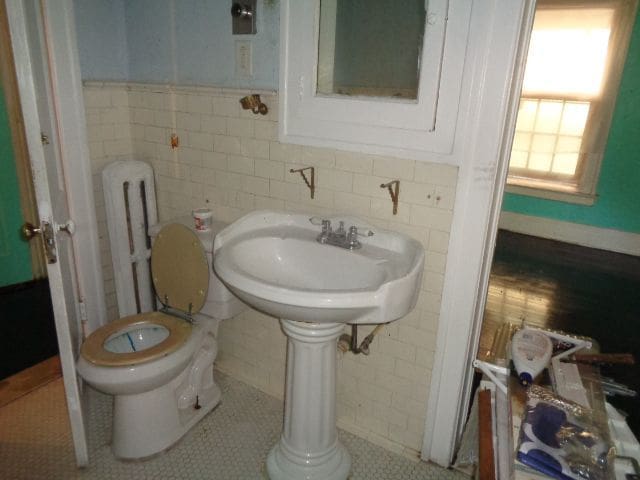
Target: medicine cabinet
372,75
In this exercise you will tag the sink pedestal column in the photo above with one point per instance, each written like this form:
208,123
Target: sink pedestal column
309,446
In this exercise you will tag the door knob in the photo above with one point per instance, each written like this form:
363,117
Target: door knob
29,230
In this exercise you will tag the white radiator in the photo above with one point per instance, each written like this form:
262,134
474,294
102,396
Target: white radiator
130,202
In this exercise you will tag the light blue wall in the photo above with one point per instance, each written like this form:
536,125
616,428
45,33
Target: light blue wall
148,25
206,47
102,42
181,41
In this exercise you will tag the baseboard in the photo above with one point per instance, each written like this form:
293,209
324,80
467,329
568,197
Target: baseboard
30,379
577,234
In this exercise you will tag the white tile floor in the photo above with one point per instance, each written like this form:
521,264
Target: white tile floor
232,442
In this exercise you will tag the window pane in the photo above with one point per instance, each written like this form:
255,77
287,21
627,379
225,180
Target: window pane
568,51
543,143
568,144
548,119
565,163
574,118
544,150
527,114
518,160
540,161
522,141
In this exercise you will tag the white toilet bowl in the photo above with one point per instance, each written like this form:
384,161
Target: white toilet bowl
159,365
122,371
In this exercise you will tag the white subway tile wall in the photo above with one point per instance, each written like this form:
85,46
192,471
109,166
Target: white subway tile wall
109,133
231,161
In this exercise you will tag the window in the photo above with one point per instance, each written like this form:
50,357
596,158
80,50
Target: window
573,69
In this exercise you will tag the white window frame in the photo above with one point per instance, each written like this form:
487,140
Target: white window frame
594,139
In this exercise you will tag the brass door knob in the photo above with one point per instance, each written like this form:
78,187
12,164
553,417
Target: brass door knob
29,230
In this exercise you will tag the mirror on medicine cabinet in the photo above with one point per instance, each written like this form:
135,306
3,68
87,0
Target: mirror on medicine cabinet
378,76
370,47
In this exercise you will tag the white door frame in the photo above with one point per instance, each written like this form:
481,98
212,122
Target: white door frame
498,42
76,162
76,278
69,102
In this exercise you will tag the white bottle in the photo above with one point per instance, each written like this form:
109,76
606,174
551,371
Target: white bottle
530,351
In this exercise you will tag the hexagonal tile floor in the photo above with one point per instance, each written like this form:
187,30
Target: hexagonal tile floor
231,442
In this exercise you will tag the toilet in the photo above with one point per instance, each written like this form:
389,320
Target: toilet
159,365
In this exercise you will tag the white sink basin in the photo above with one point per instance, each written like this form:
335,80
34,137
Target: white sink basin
273,262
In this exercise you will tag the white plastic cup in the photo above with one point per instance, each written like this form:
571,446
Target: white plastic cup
203,219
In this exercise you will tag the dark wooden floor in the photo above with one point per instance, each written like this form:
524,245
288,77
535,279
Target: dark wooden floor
575,289
27,327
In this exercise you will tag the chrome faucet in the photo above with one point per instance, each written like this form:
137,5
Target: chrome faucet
340,237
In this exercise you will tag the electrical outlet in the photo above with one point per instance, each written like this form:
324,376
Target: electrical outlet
244,59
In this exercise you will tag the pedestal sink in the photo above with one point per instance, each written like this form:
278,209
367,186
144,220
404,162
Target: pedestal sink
274,263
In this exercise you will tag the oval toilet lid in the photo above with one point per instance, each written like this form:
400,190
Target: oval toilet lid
179,268
93,348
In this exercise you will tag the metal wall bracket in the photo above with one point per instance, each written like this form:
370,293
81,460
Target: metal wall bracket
394,192
310,183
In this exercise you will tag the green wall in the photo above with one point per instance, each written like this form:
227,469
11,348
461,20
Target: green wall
618,203
15,259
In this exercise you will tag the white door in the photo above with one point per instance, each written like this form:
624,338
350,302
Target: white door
40,98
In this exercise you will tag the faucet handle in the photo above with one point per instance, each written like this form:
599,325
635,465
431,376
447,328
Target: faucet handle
352,238
326,223
354,230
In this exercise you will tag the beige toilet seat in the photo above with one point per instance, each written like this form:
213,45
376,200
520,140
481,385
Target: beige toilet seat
93,348
179,269
180,273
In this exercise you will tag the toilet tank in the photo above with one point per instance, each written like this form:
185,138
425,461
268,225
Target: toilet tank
221,303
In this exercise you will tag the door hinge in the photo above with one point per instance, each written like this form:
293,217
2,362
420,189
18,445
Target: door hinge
82,310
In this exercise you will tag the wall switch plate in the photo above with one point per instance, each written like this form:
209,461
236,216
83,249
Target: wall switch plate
244,60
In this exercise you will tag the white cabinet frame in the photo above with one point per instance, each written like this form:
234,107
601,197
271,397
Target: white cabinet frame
399,127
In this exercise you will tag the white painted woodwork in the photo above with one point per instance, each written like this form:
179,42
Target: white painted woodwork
575,233
43,41
74,158
498,40
400,127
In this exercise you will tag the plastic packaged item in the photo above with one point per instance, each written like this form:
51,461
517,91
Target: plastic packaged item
530,351
563,439
203,219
